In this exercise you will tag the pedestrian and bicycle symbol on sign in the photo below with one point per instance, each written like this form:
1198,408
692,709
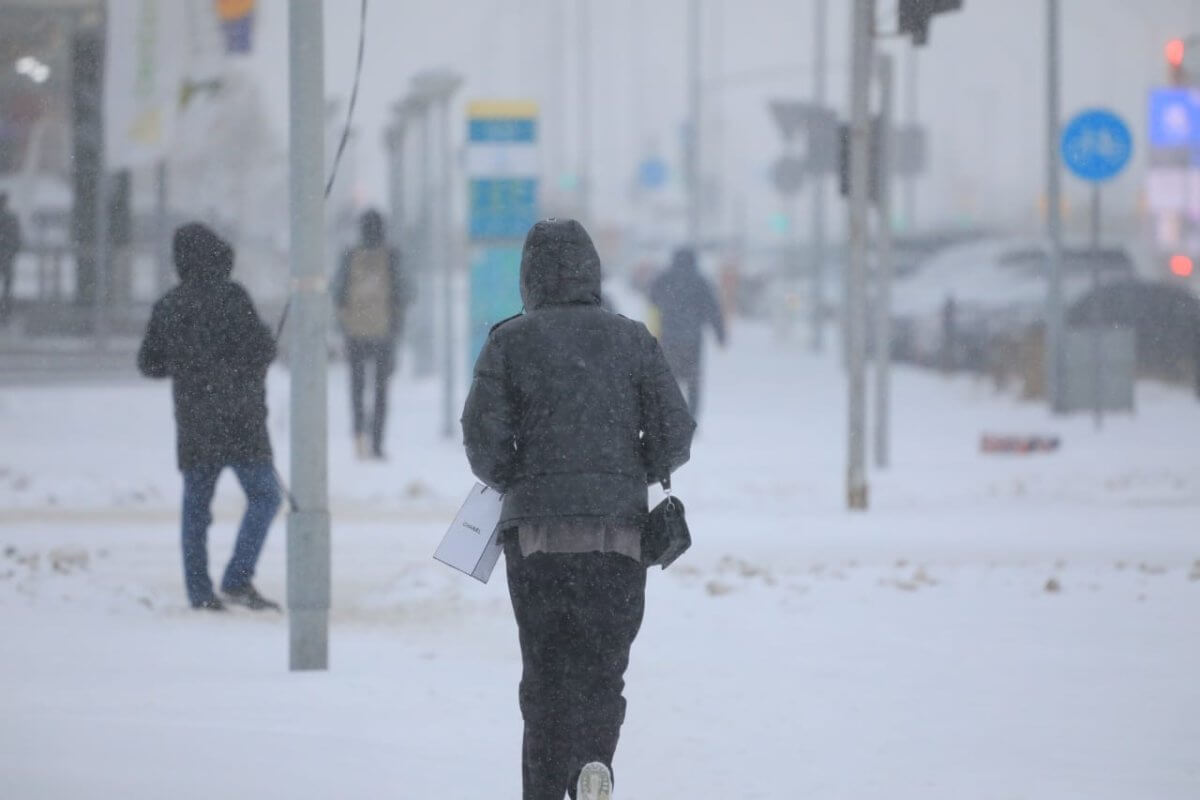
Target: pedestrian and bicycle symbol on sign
1096,145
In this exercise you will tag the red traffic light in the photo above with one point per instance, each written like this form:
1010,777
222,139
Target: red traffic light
1181,265
1174,51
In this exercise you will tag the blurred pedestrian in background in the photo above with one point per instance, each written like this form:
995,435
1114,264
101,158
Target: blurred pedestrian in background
10,245
372,293
207,337
686,304
572,413
949,334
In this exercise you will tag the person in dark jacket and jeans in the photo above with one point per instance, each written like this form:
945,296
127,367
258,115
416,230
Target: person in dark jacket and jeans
372,293
686,303
207,337
572,413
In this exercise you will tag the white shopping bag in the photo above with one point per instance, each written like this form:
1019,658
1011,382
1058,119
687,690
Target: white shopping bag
471,545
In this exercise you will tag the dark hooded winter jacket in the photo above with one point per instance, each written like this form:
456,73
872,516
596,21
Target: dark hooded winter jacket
572,411
687,303
207,337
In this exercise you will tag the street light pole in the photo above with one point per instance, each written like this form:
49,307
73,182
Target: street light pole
910,118
423,356
1054,321
883,289
820,26
693,154
446,257
585,110
860,91
308,546
436,87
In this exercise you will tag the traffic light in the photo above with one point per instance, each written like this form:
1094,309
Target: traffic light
1175,51
1181,265
915,15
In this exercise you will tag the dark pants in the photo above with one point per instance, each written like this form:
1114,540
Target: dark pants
577,616
262,495
381,355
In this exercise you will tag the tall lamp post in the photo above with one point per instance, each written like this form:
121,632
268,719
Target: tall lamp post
437,87
308,545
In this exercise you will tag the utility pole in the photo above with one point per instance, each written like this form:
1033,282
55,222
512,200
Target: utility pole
693,154
820,29
910,119
395,139
446,259
860,131
436,87
1054,321
583,24
308,546
102,279
883,289
162,227
423,356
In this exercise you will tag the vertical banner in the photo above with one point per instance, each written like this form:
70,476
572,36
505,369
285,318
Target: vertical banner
142,80
502,167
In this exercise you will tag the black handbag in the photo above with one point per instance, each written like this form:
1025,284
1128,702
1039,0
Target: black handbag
666,536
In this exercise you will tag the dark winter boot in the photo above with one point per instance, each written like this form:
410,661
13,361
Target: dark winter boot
209,604
249,597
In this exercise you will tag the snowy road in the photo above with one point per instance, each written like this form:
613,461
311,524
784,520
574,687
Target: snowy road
996,627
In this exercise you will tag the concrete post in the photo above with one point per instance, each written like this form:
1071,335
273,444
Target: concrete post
308,545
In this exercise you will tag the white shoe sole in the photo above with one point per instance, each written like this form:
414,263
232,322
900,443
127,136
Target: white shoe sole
595,782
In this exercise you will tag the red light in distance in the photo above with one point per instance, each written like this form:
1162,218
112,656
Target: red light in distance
1181,265
1175,52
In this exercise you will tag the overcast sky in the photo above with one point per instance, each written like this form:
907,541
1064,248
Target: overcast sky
980,86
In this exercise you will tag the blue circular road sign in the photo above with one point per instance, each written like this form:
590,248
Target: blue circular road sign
1096,145
652,173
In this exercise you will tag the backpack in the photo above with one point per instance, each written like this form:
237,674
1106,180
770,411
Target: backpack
367,310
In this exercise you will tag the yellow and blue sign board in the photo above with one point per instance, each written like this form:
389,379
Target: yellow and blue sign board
502,169
237,24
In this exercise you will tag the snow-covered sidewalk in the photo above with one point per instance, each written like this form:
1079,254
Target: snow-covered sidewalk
995,627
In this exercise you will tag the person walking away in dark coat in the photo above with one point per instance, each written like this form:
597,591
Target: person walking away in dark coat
372,293
687,304
10,245
206,336
572,413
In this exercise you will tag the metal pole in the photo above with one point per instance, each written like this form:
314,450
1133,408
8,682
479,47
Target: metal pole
423,356
308,583
860,131
446,259
820,31
910,119
1054,322
583,23
103,273
162,224
1097,367
693,154
883,291
395,144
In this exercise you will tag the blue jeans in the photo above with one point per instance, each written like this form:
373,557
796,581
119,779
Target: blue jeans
262,494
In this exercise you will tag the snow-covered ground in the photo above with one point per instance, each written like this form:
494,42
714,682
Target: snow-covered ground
995,626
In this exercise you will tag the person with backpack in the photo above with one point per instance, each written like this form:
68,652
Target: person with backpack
372,294
206,336
572,414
